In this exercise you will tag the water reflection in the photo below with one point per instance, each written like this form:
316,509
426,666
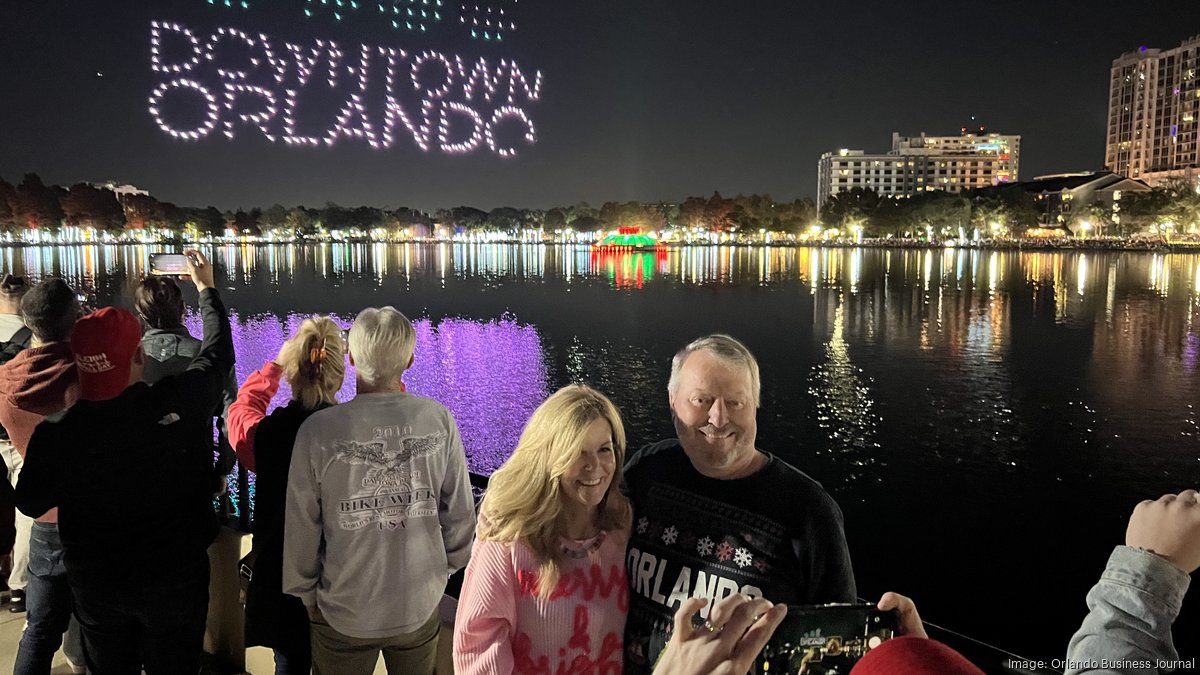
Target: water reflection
845,409
490,374
1019,401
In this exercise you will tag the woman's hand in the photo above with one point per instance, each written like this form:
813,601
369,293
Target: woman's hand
737,630
200,270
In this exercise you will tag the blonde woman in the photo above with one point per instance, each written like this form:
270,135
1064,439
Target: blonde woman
545,590
313,362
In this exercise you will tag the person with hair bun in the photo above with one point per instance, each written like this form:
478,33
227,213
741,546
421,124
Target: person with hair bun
546,589
170,349
313,363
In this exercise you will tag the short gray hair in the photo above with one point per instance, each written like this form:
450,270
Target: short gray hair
381,342
725,348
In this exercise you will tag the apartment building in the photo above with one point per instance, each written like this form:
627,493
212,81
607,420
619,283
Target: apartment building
1153,105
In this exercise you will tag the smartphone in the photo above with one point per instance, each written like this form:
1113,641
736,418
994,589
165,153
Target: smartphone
168,263
825,639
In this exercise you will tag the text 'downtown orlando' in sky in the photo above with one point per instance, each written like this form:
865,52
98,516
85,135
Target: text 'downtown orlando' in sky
225,82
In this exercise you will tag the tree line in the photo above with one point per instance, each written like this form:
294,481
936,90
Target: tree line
998,211
31,204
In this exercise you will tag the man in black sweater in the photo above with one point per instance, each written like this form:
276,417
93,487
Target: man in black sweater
129,468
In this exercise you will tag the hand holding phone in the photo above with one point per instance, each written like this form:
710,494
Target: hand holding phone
168,264
187,265
819,639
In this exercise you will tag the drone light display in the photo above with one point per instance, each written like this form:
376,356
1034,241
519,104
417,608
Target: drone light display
243,82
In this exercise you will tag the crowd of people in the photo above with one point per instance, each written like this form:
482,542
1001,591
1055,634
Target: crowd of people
583,557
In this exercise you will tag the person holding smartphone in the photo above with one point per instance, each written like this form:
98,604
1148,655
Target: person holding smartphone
140,584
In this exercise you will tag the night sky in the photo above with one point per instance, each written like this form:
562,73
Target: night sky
644,100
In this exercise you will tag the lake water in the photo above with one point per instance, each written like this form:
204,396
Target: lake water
987,420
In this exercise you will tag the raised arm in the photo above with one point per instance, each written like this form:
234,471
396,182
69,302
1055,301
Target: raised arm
198,389
1138,597
487,613
250,408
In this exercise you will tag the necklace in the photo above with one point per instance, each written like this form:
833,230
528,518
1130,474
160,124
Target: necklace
582,548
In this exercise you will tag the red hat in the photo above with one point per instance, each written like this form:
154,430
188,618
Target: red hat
104,342
913,656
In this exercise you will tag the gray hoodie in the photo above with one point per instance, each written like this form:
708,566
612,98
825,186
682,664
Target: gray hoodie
379,513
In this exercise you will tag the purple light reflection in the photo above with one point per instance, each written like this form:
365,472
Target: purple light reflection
491,375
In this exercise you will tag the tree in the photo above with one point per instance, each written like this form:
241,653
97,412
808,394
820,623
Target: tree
246,223
36,205
943,212
892,216
586,224
1096,215
692,213
366,217
1141,210
580,210
556,219
797,216
7,194
504,219
718,211
1184,209
668,213
274,219
334,217
143,211
467,217
1009,207
852,207
301,222
88,206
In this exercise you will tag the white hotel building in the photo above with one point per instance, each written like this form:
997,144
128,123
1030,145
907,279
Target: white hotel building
922,164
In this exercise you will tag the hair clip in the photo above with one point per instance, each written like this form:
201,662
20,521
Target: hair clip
316,355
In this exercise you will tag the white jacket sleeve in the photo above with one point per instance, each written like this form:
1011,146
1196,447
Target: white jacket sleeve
1128,627
302,531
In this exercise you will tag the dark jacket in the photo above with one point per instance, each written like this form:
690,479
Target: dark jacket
275,619
170,352
132,475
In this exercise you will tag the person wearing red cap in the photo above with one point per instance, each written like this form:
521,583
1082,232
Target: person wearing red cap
136,559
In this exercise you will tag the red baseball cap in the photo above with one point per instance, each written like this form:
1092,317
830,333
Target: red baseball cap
103,343
914,656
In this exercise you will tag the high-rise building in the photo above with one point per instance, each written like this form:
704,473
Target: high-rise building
923,163
1153,104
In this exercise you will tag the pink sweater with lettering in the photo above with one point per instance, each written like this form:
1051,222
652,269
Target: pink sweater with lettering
504,627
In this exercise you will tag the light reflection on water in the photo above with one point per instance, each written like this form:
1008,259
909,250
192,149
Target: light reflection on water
489,374
961,405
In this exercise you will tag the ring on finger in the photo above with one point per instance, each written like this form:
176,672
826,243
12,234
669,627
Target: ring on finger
713,631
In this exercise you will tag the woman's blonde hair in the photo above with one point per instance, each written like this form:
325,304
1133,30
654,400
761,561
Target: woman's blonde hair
314,362
524,501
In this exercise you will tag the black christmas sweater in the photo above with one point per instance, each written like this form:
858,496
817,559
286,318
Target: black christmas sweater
775,534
